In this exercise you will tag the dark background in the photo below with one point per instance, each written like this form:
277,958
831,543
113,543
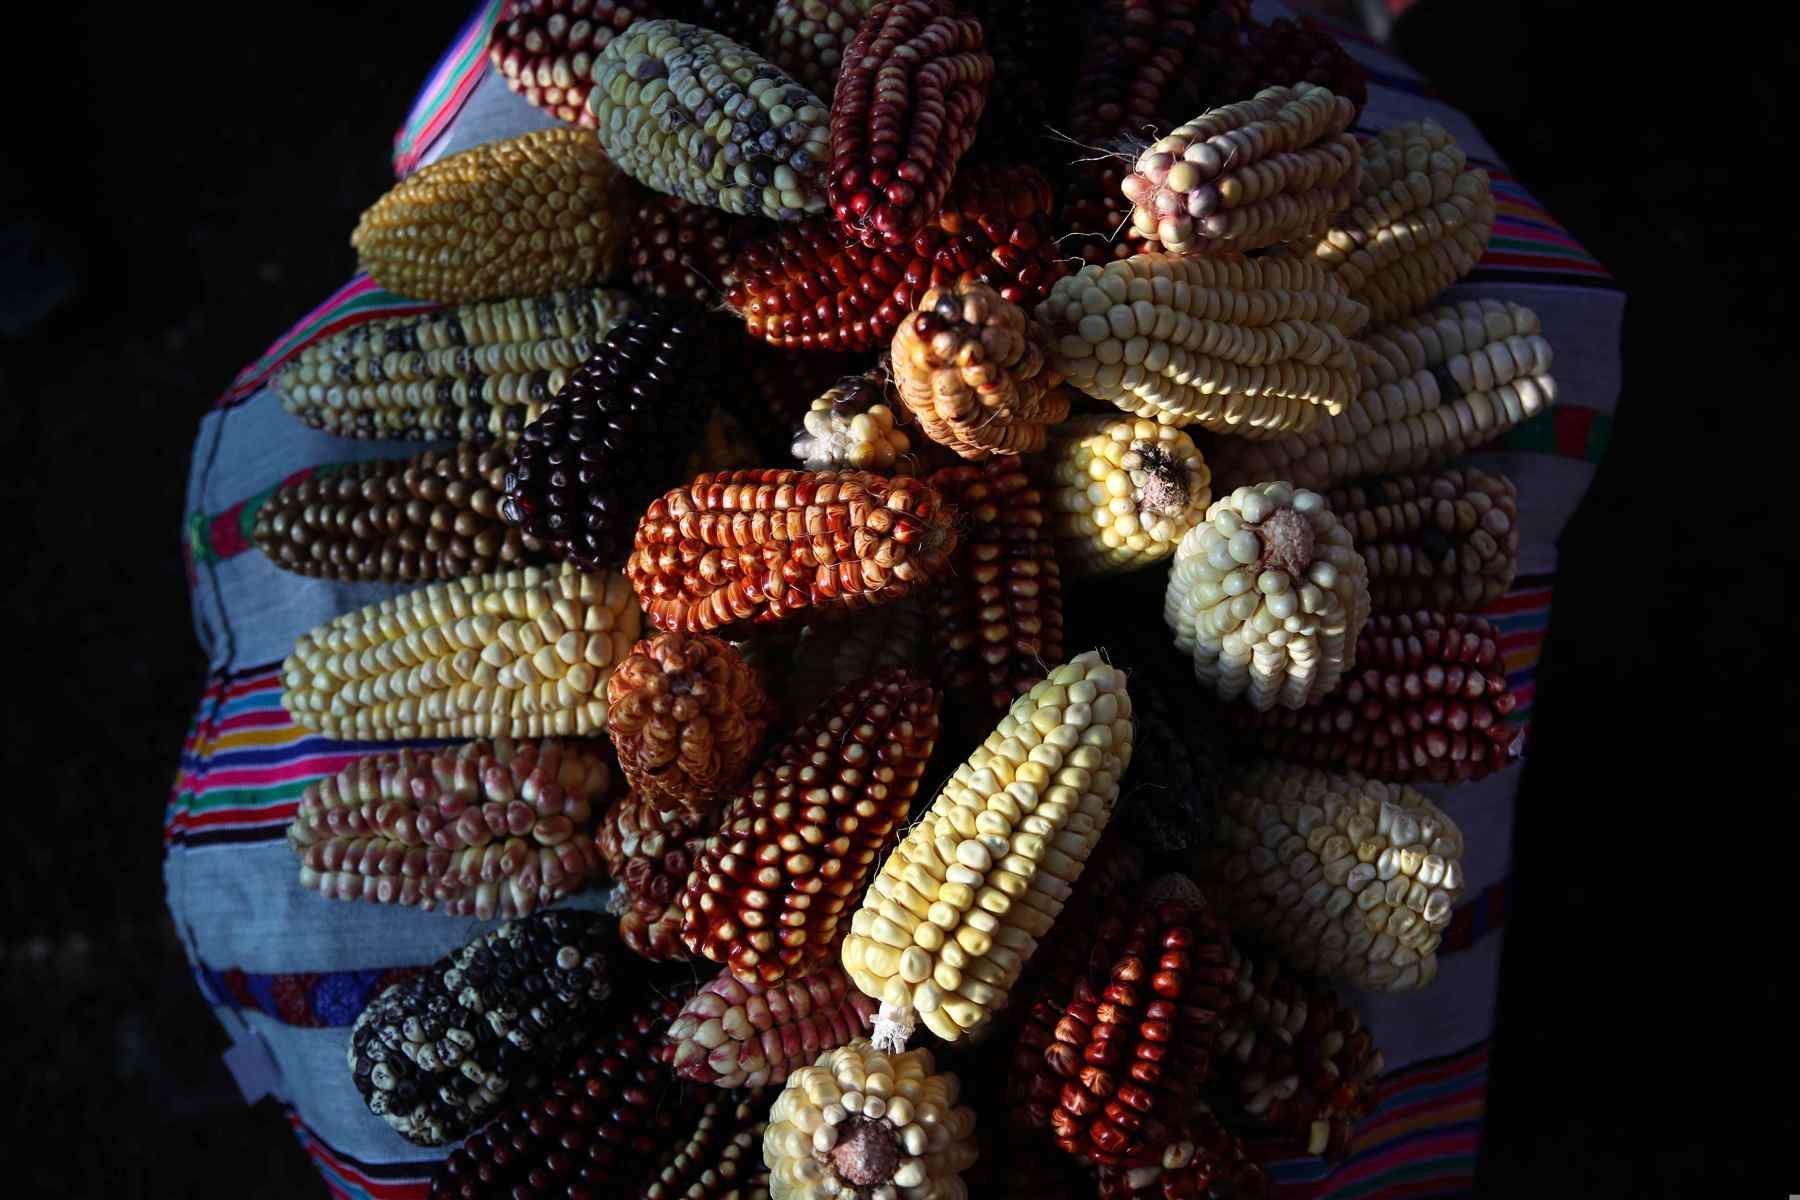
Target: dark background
179,186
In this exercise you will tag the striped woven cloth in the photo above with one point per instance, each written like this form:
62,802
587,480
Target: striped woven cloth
287,972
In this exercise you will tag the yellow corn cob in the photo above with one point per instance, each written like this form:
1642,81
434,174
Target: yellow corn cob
520,654
1432,387
513,217
1124,490
962,902
471,373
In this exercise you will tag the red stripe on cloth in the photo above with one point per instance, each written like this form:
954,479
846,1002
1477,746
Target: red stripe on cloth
234,818
1519,601
331,316
1542,262
380,1189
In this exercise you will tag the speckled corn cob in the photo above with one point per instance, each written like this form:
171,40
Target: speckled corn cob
794,849
835,654
1296,1061
680,251
1253,347
649,852
514,217
1124,491
688,112
1448,540
962,902
758,546
545,50
1201,1161
1248,175
807,39
432,1055
971,369
485,831
1268,596
997,620
473,373
520,654
862,1124
1431,387
430,517
720,1158
1341,875
735,1034
851,427
1420,223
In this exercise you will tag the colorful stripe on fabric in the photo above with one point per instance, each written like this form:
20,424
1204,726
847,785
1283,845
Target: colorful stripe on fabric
447,89
1566,431
306,1000
349,1179
1523,618
1474,919
222,535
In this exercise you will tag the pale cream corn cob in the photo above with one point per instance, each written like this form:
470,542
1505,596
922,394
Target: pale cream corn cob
1124,491
852,427
962,902
521,654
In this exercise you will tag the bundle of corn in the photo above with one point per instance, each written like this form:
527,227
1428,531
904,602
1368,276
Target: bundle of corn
735,1034
520,654
1124,490
851,427
807,39
430,517
1341,875
1255,347
971,370
486,831
680,252
686,111
758,546
1447,540
649,852
1268,596
512,217
837,653
545,50
961,903
794,848
474,373
719,1158
1432,387
434,1053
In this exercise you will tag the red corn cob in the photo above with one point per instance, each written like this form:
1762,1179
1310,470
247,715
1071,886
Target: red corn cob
737,1034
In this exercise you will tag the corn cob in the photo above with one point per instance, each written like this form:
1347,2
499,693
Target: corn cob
490,830
1446,540
1421,221
794,849
649,853
851,427
1254,347
1124,490
807,39
1283,53
908,102
997,621
1247,175
433,1053
430,517
802,288
688,112
861,1124
596,1128
519,654
1432,387
1268,596
610,439
721,1157
835,654
757,546
970,368
473,373
545,50
745,22
514,217
680,251
1296,1061
1032,50
685,713
725,445
1201,1161
735,1034
1171,793
962,902
1341,875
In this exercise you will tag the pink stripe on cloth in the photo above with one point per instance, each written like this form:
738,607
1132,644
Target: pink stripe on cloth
451,83
357,301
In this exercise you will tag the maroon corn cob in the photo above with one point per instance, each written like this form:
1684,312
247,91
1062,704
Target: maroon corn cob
545,49
736,1034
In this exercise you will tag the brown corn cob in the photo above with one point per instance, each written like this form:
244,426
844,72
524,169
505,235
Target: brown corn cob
794,849
1427,701
485,831
473,373
1255,347
970,367
685,713
515,217
1341,875
681,251
688,112
545,50
1268,597
735,1034
1446,540
519,654
720,1158
997,621
649,852
1124,491
434,516
1431,387
1247,175
758,546
1201,1161
807,39
835,654
860,1123
851,427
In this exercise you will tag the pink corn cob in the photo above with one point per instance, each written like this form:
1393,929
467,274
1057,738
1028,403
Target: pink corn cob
738,1034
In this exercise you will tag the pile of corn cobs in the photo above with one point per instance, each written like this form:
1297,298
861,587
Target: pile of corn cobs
857,768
